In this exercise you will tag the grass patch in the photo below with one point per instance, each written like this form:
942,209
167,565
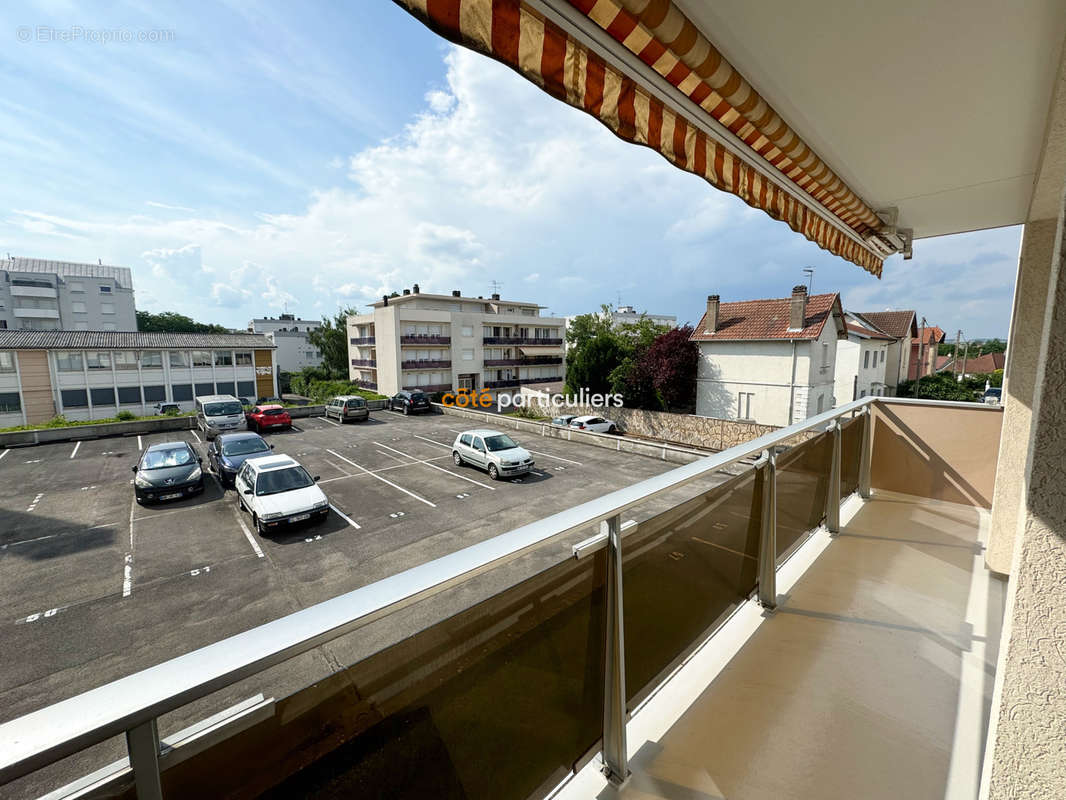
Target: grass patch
62,422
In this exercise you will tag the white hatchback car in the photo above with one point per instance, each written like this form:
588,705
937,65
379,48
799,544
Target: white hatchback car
278,492
595,424
495,452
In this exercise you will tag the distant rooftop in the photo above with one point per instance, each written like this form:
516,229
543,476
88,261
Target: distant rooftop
127,340
767,319
69,269
414,295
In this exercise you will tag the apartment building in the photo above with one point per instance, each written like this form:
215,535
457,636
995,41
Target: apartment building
37,294
768,361
289,335
87,375
861,361
438,342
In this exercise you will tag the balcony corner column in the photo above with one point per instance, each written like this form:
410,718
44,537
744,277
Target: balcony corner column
766,465
867,451
832,495
615,758
142,743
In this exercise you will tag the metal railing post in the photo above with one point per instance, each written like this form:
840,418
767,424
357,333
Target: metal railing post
832,495
615,759
143,745
767,465
867,448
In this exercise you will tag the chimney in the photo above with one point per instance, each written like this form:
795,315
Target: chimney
495,297
797,311
406,292
385,299
456,293
711,323
415,288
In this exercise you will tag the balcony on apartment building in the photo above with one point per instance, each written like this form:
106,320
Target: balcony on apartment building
362,340
364,362
819,625
429,388
506,382
520,340
425,339
523,361
426,363
35,290
364,384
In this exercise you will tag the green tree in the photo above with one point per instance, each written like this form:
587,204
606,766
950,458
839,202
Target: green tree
939,386
331,340
591,365
173,322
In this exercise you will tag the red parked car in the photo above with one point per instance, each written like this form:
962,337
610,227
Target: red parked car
268,418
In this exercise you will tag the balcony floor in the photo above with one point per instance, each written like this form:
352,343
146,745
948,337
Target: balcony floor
873,679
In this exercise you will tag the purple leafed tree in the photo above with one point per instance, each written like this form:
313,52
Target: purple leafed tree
671,362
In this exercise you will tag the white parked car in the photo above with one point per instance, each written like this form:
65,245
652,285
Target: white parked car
495,452
595,424
277,491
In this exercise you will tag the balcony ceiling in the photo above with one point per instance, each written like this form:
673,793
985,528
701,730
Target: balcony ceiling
939,109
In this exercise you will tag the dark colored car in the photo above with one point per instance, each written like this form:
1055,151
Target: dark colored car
228,451
410,402
266,417
168,471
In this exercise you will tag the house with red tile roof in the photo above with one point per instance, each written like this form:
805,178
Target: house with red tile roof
979,365
924,347
903,327
861,360
768,361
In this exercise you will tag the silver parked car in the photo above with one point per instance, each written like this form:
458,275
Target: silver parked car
495,452
346,407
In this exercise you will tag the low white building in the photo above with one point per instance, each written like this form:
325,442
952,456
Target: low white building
860,362
290,336
768,361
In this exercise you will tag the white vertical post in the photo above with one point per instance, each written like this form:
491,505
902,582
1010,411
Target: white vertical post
867,448
767,466
832,495
143,745
615,765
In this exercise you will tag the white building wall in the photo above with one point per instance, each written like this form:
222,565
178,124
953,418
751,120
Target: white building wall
846,370
761,369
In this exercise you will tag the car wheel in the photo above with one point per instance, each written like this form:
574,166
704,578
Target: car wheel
458,459
406,411
494,473
611,429
258,527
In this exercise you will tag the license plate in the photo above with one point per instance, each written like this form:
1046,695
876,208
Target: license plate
170,496
299,518
277,425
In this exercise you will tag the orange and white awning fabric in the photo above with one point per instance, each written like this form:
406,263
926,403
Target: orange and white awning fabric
514,32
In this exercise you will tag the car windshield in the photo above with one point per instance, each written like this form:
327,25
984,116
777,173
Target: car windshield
418,397
283,480
222,409
171,457
242,447
356,403
501,442
273,412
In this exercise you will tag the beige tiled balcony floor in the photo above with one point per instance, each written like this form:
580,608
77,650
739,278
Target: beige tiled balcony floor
872,680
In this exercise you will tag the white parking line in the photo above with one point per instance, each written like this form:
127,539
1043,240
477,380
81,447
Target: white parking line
331,422
197,438
434,466
383,480
139,445
75,452
247,533
127,576
4,453
298,430
557,458
431,441
345,517
390,455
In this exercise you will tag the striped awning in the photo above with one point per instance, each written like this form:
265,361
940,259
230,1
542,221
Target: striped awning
514,32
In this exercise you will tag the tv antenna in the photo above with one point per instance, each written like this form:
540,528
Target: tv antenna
809,272
496,286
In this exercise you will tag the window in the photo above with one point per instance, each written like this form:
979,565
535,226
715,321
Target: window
862,393
126,359
825,355
223,358
201,358
129,395
744,405
78,307
9,402
204,389
76,286
468,354
7,362
107,308
103,395
74,398
225,388
98,360
242,359
866,360
179,359
67,361
105,290
821,401
179,391
468,330
155,394
883,356
152,359
246,388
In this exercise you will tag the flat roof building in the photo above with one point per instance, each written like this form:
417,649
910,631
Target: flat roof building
438,342
87,375
289,334
39,294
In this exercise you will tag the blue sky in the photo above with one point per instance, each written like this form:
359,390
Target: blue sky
253,159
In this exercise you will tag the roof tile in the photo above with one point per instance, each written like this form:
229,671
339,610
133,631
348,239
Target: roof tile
767,319
895,323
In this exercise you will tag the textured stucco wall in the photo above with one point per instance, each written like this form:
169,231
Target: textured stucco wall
1027,322
1028,759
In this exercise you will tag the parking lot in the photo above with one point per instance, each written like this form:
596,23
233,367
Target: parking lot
94,586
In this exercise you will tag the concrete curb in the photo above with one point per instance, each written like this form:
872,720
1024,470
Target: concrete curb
666,452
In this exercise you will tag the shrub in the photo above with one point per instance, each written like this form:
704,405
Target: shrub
125,415
528,412
58,421
172,412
